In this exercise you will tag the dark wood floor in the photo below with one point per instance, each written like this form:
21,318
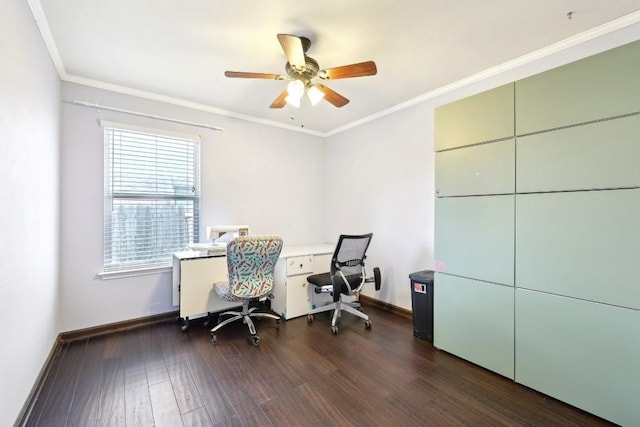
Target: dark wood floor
301,375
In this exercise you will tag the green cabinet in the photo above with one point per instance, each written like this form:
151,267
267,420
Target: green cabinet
536,232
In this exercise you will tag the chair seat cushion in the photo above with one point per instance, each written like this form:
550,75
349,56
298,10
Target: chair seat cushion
324,279
224,292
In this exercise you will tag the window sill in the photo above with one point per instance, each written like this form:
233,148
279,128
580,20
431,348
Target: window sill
109,275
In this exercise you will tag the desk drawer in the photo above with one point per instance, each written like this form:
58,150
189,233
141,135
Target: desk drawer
299,265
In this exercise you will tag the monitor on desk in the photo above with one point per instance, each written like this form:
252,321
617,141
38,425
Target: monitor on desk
223,233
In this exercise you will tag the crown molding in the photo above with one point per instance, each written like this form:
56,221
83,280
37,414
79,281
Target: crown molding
45,32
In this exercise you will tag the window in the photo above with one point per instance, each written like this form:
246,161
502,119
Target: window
152,197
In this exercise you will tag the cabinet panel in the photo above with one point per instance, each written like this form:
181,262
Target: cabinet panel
599,155
583,353
487,116
580,244
600,86
298,303
474,237
279,300
474,320
322,263
199,296
480,169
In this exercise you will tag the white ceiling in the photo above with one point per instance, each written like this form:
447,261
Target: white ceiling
178,50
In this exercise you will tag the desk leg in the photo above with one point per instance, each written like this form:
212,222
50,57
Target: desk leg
207,322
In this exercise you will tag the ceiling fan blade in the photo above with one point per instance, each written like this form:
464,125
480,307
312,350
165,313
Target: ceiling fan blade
280,101
243,75
332,96
367,68
292,46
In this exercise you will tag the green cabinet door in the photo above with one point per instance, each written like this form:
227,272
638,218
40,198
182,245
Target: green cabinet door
581,352
598,155
474,320
474,237
600,86
477,170
487,116
580,244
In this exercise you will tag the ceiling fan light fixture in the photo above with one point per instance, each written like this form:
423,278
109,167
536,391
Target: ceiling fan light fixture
295,89
315,95
294,101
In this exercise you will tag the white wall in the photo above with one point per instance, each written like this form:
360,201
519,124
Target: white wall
268,178
379,179
29,197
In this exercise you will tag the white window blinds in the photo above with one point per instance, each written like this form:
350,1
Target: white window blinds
152,197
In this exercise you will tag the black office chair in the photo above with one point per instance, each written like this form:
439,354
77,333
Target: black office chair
347,276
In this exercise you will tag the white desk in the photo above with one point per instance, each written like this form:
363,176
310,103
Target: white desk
292,296
195,272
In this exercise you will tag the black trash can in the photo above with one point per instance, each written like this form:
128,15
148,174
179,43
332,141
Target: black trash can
422,304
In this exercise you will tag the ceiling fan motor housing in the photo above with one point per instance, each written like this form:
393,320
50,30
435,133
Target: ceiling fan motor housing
306,43
309,71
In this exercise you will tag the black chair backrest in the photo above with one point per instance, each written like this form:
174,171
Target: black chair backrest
350,254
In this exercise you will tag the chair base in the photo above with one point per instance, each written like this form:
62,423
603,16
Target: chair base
338,307
246,314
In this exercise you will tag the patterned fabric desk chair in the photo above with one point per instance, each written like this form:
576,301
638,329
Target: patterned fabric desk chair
250,263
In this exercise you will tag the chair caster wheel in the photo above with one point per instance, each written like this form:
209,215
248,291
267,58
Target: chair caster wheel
255,340
214,339
309,318
334,330
367,324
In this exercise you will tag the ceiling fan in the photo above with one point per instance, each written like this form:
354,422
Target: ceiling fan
301,69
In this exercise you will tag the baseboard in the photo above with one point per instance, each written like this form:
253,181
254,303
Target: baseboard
66,337
117,326
386,306
24,414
